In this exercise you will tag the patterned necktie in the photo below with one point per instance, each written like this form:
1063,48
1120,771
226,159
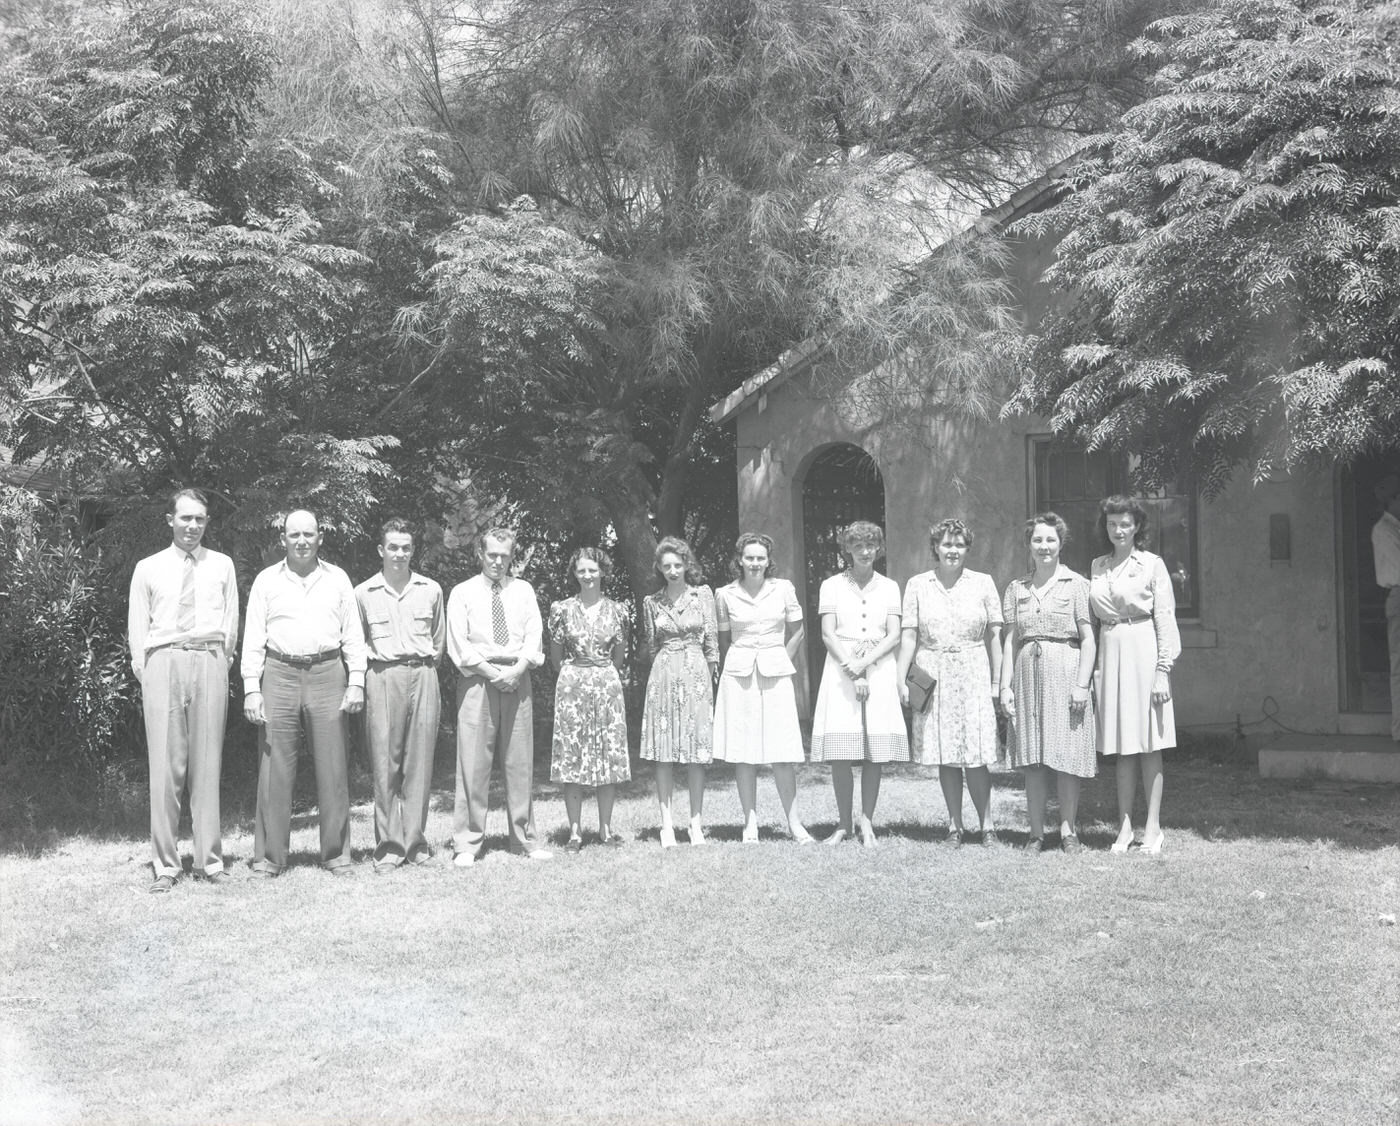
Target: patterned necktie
184,619
499,631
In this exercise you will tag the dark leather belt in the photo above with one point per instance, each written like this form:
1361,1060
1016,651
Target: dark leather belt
306,661
412,662
501,660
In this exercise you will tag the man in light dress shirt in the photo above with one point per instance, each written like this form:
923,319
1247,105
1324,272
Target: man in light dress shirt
1385,542
494,637
182,625
405,629
303,672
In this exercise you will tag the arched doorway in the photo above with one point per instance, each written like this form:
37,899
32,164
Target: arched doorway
842,484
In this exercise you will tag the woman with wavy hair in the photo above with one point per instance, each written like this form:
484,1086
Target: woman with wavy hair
680,639
760,631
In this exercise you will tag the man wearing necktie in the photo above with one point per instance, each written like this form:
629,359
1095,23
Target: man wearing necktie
303,674
182,625
494,637
405,629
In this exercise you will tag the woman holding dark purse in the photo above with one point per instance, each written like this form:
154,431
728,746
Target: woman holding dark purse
951,623
857,717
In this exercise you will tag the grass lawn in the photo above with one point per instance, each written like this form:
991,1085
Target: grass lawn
1247,975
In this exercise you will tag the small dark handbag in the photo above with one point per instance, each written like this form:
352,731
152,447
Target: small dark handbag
921,686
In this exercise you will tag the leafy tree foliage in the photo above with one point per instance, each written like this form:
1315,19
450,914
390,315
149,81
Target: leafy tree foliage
736,175
1229,259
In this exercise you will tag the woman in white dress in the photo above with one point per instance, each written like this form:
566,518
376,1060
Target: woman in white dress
1131,596
760,629
857,718
952,631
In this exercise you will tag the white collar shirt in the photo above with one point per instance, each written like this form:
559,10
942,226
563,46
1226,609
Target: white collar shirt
154,608
470,636
402,624
301,617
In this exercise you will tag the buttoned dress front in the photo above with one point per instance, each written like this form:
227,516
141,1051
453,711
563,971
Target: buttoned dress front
1045,730
682,638
756,709
1135,606
590,720
844,728
959,726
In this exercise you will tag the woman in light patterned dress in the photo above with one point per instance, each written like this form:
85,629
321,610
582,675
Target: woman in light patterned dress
682,642
760,629
857,718
1047,660
952,626
1131,596
588,644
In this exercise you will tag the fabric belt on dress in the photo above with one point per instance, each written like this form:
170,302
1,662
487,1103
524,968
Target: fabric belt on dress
191,646
1130,619
304,661
412,662
586,663
965,647
1021,643
677,645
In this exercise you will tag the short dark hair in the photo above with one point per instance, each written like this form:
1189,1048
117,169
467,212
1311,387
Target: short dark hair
188,494
1050,519
398,526
950,527
1117,505
597,555
674,545
745,539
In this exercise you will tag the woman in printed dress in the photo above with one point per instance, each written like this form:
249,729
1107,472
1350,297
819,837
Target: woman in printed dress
857,718
682,643
760,629
1131,595
588,644
952,628
1047,660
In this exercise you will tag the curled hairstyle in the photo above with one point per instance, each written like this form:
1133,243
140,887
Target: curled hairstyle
188,494
500,535
1117,505
398,526
674,545
736,567
862,531
1050,519
949,528
597,555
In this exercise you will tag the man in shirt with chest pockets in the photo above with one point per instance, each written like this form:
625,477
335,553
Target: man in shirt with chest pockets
182,625
303,672
405,629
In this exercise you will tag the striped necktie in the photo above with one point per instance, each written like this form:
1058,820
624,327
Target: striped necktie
184,618
499,631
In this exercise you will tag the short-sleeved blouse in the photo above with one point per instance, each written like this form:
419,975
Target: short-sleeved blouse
862,613
757,627
1055,614
951,617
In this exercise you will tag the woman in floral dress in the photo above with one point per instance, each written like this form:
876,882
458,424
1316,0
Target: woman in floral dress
681,641
588,644
1047,660
952,627
857,717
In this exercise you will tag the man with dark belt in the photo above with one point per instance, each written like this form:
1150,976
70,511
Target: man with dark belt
303,673
182,625
405,628
494,637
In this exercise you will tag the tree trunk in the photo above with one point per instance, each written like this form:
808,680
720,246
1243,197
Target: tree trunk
636,538
669,512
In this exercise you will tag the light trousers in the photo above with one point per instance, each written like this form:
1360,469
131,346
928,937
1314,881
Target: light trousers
295,702
492,724
184,698
1392,629
402,707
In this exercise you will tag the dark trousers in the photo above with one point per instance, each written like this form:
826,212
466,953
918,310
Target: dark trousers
297,701
184,697
402,707
491,724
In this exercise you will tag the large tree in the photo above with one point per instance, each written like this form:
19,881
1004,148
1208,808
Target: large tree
731,176
1229,260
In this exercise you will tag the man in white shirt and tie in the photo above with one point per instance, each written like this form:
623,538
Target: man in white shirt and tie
182,625
303,673
494,637
1385,543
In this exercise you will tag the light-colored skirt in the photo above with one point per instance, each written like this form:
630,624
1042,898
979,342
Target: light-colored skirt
845,729
756,720
1129,723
